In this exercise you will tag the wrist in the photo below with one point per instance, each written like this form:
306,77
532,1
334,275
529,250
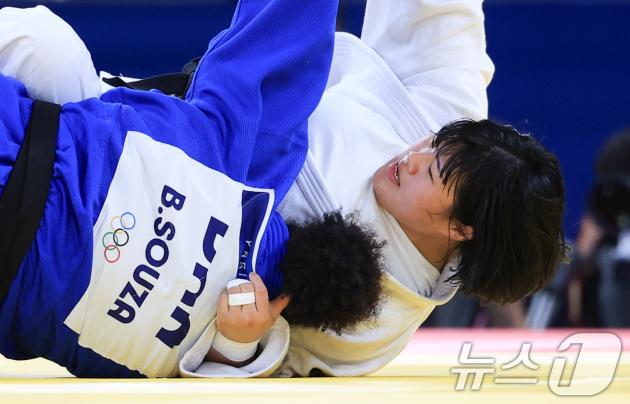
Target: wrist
232,350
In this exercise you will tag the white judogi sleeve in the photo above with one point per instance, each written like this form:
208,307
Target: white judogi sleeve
30,51
437,48
274,345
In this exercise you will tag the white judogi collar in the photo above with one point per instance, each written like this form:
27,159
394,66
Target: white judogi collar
403,259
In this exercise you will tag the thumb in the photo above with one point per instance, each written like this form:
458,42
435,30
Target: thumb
277,305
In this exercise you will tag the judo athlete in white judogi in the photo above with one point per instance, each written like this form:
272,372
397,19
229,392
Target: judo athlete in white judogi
418,66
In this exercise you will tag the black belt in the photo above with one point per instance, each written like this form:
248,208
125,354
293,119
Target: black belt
170,84
25,193
176,84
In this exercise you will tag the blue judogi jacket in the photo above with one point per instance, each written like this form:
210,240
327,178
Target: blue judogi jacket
156,202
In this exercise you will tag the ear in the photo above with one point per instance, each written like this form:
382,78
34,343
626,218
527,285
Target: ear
460,232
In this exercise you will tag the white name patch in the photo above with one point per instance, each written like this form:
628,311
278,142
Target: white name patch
171,234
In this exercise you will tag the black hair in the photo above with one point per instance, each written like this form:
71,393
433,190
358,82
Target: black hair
509,188
332,272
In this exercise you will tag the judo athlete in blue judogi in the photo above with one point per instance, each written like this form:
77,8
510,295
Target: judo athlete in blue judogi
156,202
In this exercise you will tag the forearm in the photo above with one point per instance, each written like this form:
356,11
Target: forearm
229,352
200,362
217,357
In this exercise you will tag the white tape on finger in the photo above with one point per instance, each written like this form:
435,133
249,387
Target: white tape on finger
239,299
237,282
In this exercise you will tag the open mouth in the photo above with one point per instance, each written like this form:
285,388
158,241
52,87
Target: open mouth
393,172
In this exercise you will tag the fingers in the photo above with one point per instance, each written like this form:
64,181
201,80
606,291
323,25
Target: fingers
245,288
277,305
246,323
262,298
231,291
223,306
223,310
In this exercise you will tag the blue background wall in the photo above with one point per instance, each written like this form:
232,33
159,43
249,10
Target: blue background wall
563,67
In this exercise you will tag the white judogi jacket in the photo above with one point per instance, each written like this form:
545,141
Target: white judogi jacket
418,65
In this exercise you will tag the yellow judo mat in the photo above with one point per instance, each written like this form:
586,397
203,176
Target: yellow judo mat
502,366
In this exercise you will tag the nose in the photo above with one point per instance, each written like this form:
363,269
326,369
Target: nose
414,159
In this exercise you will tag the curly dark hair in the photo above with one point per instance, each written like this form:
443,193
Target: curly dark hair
332,271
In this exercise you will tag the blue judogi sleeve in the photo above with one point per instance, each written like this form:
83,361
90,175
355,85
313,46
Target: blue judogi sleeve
257,85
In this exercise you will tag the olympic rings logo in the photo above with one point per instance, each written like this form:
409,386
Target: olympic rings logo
118,237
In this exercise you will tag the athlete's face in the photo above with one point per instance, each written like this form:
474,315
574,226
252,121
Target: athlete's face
409,187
